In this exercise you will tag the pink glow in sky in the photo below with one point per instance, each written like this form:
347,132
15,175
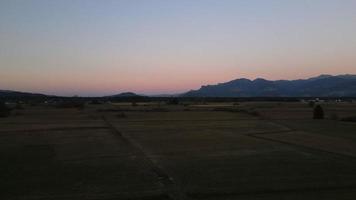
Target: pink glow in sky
94,48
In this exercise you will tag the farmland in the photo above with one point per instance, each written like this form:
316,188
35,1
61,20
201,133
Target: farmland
245,150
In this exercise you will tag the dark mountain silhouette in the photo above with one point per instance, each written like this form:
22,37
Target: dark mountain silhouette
126,94
321,86
16,94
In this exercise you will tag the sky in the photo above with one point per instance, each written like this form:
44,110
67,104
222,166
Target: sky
102,47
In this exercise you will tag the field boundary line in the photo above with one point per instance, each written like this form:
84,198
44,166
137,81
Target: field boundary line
173,190
260,136
184,120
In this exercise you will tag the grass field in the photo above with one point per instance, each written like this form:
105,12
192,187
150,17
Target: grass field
249,150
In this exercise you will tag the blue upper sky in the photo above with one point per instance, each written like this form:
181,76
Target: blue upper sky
163,46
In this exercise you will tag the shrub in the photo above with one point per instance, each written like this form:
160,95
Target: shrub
318,112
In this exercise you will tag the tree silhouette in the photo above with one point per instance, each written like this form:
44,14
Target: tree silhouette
318,112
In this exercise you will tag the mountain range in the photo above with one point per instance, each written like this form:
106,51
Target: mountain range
320,86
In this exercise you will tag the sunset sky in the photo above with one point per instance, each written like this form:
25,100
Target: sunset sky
89,48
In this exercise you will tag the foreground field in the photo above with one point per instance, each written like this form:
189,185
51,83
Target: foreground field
154,151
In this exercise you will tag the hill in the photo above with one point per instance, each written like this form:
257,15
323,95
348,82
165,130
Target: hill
16,94
126,94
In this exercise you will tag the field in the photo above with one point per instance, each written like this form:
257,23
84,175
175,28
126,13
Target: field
213,151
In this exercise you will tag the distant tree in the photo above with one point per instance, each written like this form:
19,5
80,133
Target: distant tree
318,112
4,110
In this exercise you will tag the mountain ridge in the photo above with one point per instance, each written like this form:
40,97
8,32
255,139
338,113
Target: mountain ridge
125,94
12,93
323,85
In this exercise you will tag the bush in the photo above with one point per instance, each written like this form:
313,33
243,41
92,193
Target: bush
4,110
318,112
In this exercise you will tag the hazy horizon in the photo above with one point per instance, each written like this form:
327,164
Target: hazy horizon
95,48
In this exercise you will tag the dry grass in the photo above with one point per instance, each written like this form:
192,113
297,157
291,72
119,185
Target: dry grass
50,153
